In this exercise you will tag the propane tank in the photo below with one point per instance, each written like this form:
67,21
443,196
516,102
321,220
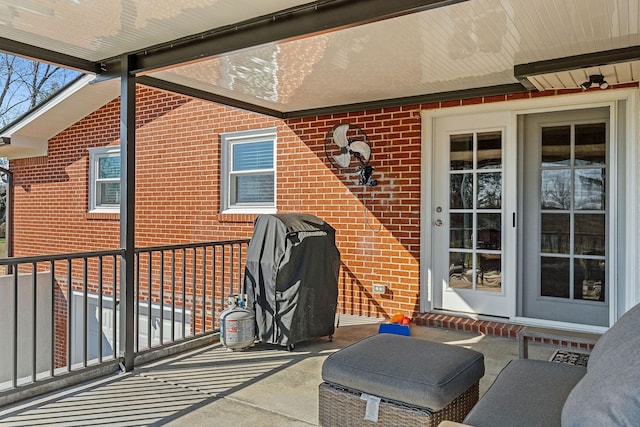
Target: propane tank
237,324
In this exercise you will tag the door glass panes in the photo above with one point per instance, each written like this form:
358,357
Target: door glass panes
556,145
555,189
489,231
590,144
461,270
589,234
490,150
475,211
461,194
489,190
555,274
490,272
589,279
555,237
573,211
461,230
589,188
461,152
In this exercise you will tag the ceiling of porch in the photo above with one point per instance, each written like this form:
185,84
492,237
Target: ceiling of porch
291,57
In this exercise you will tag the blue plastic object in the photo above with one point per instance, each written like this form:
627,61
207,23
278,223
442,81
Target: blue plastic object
394,328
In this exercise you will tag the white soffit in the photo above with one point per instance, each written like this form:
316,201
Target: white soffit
29,137
100,29
614,74
467,45
462,46
411,55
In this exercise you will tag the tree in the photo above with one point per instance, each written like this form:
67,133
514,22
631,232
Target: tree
25,83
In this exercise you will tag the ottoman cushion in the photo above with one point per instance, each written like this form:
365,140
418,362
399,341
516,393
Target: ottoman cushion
414,371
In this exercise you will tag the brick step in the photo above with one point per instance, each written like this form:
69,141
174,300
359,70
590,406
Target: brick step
492,328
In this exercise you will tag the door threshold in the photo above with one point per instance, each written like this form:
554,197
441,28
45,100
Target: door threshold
468,315
493,326
552,324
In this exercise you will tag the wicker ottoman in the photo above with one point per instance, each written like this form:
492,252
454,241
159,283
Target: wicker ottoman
397,380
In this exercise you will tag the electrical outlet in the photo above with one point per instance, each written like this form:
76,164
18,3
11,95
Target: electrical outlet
379,289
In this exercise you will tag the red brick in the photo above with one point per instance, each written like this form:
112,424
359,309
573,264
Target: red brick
178,193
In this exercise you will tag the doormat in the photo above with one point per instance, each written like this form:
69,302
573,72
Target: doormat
570,357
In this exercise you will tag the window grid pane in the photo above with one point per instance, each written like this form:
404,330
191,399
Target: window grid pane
109,167
573,212
475,211
108,194
252,156
257,189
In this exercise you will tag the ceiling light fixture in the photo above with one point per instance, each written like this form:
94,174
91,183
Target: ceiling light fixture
595,79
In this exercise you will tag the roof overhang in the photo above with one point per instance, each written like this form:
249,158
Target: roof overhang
618,66
290,58
29,136
304,20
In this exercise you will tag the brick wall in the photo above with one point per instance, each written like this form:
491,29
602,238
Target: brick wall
178,193
377,228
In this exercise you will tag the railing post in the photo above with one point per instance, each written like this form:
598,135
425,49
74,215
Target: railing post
127,211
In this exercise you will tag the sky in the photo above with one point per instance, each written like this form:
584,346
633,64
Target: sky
15,102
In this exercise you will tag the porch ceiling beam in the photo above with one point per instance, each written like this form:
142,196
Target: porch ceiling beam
312,18
595,59
207,96
412,100
45,55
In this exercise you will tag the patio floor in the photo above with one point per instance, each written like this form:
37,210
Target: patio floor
263,386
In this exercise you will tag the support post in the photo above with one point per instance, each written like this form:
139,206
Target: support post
8,216
127,211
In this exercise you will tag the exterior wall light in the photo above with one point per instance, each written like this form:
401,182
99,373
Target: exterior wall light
595,79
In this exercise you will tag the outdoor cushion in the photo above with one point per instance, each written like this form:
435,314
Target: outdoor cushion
414,371
608,394
527,393
620,343
605,398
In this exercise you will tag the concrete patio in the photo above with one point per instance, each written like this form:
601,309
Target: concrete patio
263,386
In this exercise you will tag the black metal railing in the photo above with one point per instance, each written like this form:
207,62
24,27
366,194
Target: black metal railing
181,289
61,318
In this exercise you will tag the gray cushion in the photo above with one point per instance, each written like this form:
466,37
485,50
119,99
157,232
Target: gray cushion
414,371
609,394
526,393
618,344
605,399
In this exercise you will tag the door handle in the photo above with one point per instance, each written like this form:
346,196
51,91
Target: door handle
439,223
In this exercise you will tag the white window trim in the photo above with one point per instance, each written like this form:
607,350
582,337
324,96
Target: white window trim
227,140
94,155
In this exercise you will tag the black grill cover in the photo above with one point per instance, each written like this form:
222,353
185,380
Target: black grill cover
291,278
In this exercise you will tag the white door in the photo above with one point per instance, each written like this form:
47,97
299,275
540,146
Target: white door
472,220
566,176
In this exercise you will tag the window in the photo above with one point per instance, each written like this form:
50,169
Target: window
104,179
248,171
